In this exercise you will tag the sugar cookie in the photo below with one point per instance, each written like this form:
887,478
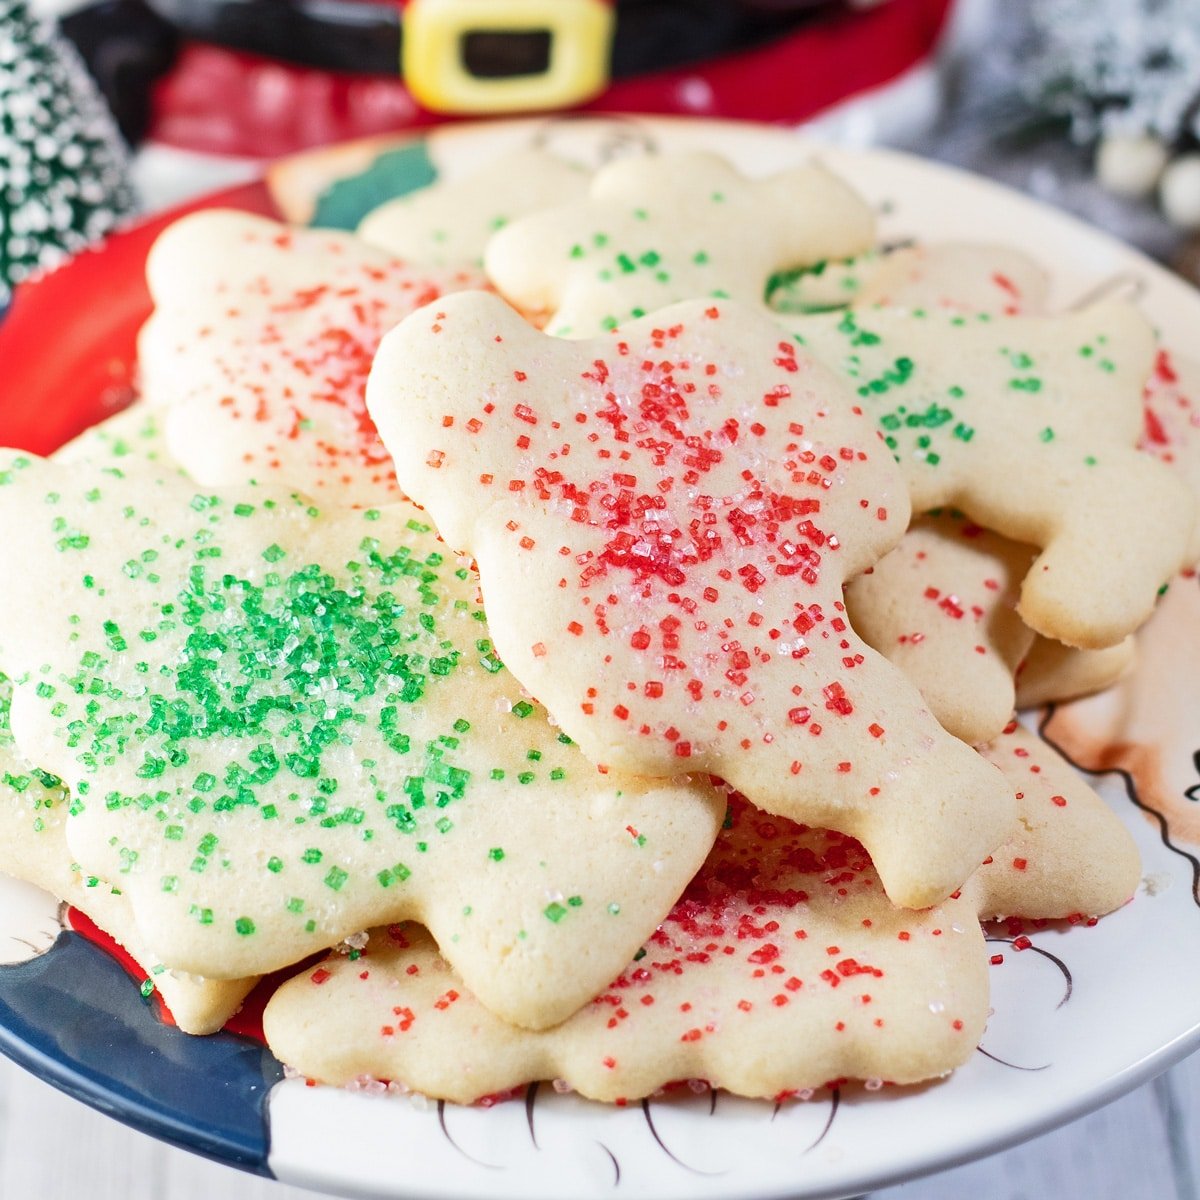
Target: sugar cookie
1069,854
1172,423
966,277
449,223
962,277
968,694
1171,433
1028,424
131,438
942,607
782,968
824,285
280,727
663,522
659,229
259,348
33,847
1052,671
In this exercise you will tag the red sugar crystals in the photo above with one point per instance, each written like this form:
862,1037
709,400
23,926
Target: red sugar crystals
260,347
708,544
724,990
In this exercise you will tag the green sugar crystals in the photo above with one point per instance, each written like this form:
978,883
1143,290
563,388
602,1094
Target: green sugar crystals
279,725
32,792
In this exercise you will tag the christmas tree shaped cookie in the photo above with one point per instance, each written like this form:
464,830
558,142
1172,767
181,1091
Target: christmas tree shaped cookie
33,847
279,727
259,348
663,521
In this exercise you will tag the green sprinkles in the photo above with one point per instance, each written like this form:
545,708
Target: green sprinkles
274,667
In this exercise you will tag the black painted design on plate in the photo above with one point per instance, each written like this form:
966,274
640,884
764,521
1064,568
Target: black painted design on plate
1193,792
667,1151
835,1101
1164,829
1005,1063
441,1112
615,1163
531,1093
1058,962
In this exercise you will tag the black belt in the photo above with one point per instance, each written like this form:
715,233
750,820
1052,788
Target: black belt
347,35
127,44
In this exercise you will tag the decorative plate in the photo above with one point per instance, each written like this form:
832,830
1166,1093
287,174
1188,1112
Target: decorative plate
1080,1014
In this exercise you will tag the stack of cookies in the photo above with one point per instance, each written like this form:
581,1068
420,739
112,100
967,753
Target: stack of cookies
574,626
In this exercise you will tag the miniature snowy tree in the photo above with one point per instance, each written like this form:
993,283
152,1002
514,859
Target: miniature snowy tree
63,168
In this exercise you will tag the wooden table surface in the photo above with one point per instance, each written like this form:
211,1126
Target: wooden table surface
1145,1146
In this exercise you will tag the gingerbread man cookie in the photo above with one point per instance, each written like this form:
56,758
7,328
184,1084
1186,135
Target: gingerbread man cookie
659,229
1029,425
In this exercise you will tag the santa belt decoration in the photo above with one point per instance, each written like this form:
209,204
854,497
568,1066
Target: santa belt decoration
456,56
329,69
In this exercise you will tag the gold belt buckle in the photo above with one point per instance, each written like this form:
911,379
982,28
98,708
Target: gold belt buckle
435,46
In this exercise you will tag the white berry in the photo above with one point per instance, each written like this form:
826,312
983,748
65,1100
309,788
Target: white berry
1130,165
1179,192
